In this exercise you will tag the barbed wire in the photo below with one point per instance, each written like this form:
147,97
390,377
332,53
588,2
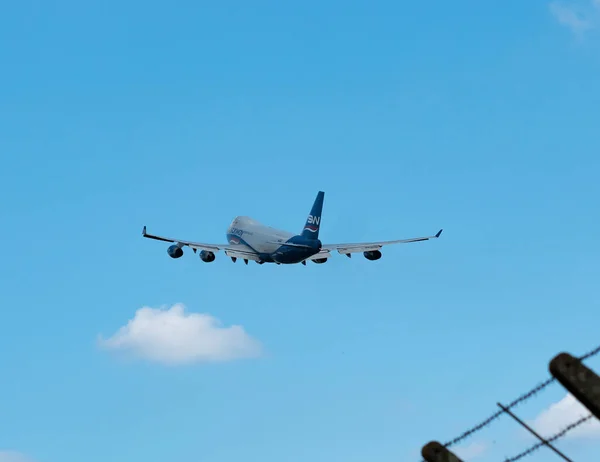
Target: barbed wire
524,397
594,352
560,434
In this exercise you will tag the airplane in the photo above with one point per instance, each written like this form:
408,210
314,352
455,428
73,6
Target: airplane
251,240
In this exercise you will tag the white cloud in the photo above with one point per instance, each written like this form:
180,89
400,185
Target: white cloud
563,413
580,16
569,16
171,336
13,456
471,451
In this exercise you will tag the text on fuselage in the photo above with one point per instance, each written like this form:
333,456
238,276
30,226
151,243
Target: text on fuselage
239,232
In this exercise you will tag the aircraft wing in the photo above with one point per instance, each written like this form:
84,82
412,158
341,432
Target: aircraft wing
238,248
243,252
348,249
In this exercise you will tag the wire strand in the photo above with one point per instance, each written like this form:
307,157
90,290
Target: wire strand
524,397
560,434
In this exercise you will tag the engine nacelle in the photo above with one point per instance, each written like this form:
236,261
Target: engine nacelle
372,254
175,251
320,260
206,256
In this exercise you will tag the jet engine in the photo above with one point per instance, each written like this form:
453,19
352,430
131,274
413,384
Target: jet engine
207,256
175,251
372,254
320,260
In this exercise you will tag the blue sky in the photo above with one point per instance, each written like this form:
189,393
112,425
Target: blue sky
411,116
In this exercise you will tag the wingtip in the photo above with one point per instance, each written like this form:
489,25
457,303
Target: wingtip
144,231
439,233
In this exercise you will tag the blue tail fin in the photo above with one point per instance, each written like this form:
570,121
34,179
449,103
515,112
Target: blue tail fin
313,222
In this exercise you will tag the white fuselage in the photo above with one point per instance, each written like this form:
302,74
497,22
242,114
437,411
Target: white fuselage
270,244
258,237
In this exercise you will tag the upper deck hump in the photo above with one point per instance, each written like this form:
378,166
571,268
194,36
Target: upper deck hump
243,220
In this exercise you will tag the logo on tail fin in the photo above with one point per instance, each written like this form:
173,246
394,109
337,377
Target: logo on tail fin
312,224
313,220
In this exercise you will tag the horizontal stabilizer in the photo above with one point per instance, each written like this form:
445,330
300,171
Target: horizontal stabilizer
291,244
322,254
